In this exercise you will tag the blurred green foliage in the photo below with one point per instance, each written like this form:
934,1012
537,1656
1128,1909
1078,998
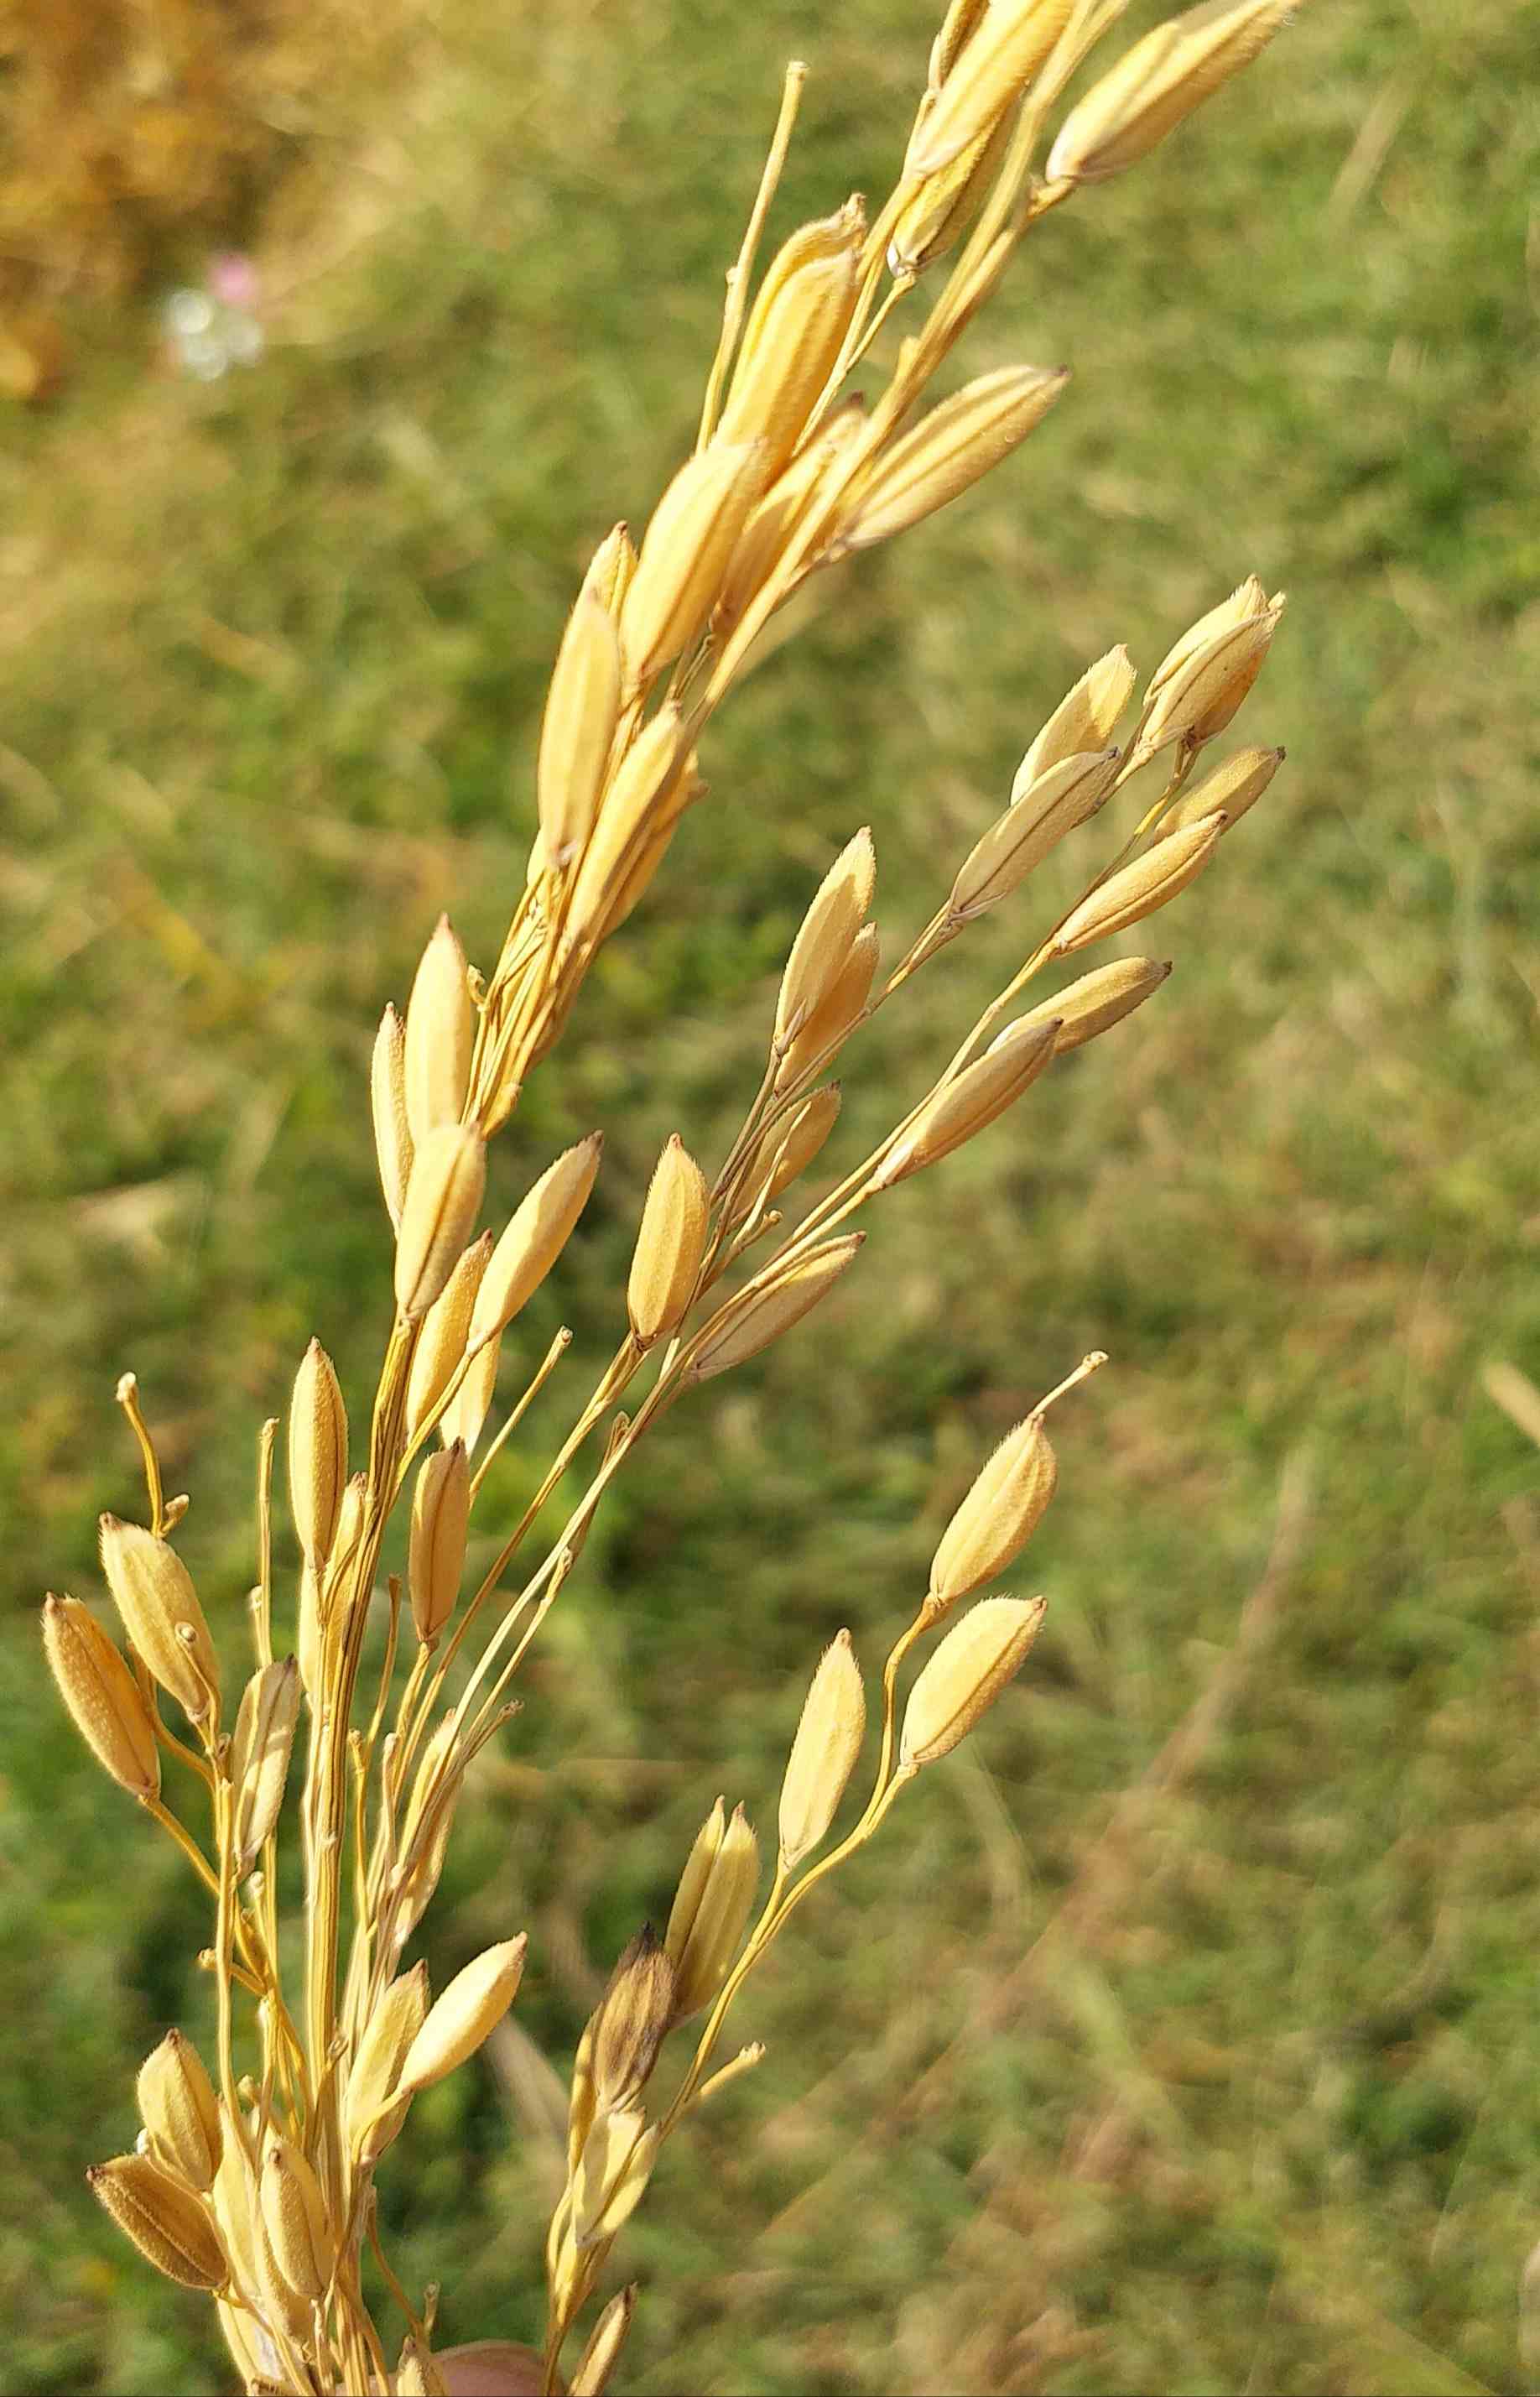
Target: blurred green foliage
1182,2033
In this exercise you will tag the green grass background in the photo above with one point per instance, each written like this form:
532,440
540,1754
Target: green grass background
1184,2031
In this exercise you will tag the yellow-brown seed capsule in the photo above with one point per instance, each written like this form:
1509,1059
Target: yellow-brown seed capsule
948,451
640,795
1232,789
440,1520
823,1752
1157,83
970,1101
971,1666
597,2365
377,2064
153,1592
317,1453
1142,886
993,70
103,1698
392,1141
772,1310
826,936
536,1234
1099,999
835,1017
789,1148
448,1179
611,569
1204,692
711,1908
794,333
935,216
631,2022
685,551
1017,842
477,1998
180,2111
670,1244
165,2220
1084,719
445,1330
439,1036
582,711
997,1518
258,1755
233,2200
294,2218
613,2174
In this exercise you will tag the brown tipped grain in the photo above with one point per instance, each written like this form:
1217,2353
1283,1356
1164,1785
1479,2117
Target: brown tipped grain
154,1593
1139,887
942,205
973,1665
1016,843
1157,83
439,1036
317,1453
643,794
1231,790
790,1146
392,1141
1099,999
535,1237
294,2218
180,2111
794,334
706,1921
613,2174
631,2022
597,2365
1084,719
694,531
948,451
826,936
970,1101
377,2062
836,1015
103,1698
258,1755
1203,693
823,1752
477,1998
166,2221
744,1329
445,1330
582,711
440,1520
997,1518
670,1244
611,569
448,1179
775,517
989,77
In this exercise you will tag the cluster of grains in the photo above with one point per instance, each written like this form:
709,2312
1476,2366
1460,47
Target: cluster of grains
255,2182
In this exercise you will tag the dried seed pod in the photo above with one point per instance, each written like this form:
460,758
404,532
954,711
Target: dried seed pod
826,936
611,569
258,1755
317,1453
639,796
711,1908
153,1592
445,1330
448,1179
166,2221
440,1035
670,1244
440,1520
631,2022
582,711
1246,600
792,337
948,451
823,1752
741,1331
685,551
1142,886
970,1101
1084,719
294,2218
535,1237
973,1665
613,2174
1204,692
1098,1000
466,1414
1230,790
775,517
836,1013
1157,83
477,1998
180,2111
233,2200
1001,1511
377,2064
103,1698
790,1146
597,2361
1017,842
392,1141
935,216
993,70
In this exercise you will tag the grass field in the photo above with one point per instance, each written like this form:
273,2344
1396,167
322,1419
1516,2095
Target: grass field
1184,2031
